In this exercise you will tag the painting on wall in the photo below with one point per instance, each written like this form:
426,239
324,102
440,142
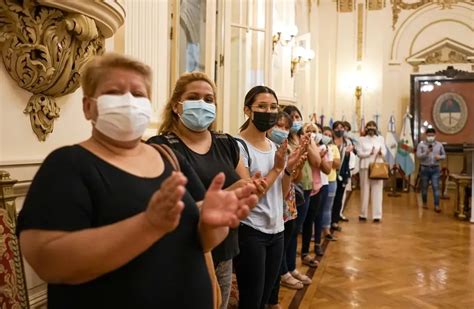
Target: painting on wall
445,101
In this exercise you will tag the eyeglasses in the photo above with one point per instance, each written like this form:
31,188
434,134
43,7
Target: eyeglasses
273,107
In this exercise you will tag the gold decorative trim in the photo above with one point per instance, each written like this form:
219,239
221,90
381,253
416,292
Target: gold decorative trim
375,5
44,49
345,6
398,33
13,284
444,51
399,5
360,30
108,15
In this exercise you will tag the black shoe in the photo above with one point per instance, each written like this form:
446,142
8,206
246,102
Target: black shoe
437,209
318,250
330,237
362,219
376,220
336,228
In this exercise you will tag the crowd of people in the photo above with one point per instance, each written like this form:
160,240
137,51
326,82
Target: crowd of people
118,222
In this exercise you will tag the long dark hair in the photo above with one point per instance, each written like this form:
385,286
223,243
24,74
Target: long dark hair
250,98
374,124
289,109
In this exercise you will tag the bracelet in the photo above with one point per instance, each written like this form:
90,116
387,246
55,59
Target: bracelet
287,172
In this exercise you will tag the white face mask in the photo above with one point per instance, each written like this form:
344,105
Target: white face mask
317,137
123,117
430,139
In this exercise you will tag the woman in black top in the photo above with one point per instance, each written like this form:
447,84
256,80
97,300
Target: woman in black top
108,223
187,128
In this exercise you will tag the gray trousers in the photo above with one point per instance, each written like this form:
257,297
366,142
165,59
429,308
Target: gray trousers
224,278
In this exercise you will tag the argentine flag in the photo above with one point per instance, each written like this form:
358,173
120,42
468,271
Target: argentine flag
405,155
391,142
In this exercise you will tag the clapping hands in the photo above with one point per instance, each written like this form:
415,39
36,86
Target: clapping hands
222,208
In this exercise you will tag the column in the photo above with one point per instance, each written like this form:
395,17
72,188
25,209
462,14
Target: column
147,39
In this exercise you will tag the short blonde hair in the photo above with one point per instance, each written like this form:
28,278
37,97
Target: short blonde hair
94,71
310,125
170,119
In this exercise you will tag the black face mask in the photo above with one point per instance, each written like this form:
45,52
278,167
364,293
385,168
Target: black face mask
371,131
339,133
264,121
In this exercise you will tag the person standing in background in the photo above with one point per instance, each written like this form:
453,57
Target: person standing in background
430,152
370,147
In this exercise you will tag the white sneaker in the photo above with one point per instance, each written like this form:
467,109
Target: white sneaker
301,277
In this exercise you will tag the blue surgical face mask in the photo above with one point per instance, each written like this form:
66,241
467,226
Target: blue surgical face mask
198,115
296,126
278,135
326,140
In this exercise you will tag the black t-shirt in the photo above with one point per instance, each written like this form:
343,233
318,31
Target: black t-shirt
223,156
74,190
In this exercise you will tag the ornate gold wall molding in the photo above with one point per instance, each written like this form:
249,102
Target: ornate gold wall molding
374,5
12,276
360,31
444,51
44,49
399,5
345,6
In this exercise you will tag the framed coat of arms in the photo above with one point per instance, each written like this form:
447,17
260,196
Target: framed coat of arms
444,100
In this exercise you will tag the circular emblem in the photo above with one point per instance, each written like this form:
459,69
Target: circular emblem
450,113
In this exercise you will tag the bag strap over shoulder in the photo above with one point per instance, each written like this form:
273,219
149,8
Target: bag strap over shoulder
379,155
246,148
168,153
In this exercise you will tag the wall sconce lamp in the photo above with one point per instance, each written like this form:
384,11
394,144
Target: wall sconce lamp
283,35
300,55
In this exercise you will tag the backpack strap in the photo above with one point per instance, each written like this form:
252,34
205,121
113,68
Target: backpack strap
167,153
246,148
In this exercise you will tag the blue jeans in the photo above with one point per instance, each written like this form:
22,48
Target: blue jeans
327,208
302,211
314,218
257,266
430,173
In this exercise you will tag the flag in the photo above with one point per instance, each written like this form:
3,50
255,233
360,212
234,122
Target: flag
321,122
376,119
331,122
355,124
391,142
405,155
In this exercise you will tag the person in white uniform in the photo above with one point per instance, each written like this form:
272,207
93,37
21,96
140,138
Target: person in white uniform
369,149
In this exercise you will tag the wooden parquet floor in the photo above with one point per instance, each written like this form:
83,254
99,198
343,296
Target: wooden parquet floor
415,258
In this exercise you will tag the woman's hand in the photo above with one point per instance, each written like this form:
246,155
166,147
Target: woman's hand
165,206
349,148
373,150
222,208
280,156
296,158
260,184
380,151
323,153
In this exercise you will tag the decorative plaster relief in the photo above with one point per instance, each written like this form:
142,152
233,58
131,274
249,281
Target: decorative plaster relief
43,50
399,5
345,6
373,5
444,51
